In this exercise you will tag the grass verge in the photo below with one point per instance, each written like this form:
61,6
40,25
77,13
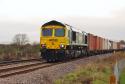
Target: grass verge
122,77
96,72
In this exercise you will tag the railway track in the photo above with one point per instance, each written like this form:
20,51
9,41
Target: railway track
5,63
21,69
26,68
5,72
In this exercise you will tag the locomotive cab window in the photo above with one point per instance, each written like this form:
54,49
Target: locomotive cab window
60,32
46,32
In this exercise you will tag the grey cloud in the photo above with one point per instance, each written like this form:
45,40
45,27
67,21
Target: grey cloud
9,29
111,28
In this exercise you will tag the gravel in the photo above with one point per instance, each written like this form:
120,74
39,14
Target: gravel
49,74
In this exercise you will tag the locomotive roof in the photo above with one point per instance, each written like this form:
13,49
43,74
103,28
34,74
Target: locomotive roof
76,30
54,22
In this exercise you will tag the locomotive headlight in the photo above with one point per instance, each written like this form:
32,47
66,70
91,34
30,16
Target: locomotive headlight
43,45
62,46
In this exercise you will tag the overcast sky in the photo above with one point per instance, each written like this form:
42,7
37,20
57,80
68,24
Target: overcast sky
101,17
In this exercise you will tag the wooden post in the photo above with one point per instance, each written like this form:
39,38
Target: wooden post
113,79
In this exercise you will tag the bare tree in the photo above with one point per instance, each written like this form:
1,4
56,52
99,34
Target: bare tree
20,39
122,41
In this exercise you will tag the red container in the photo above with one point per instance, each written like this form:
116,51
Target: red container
97,45
95,42
120,46
91,42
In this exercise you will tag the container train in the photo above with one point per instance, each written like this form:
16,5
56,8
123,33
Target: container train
59,41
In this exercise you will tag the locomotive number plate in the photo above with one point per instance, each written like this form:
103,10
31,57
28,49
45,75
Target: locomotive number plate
53,40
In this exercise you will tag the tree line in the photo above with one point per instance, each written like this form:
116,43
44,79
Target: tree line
19,49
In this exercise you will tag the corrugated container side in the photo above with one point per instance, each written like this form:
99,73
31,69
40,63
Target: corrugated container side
103,47
122,46
91,41
96,43
106,44
114,45
101,43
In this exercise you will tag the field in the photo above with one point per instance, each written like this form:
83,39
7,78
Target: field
13,52
122,77
97,72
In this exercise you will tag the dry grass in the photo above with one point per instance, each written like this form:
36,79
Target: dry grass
95,72
91,73
12,52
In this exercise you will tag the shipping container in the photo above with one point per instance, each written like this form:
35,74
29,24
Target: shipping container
114,45
106,44
91,42
100,43
122,46
96,43
103,44
118,45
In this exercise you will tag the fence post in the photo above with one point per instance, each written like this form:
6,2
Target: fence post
113,79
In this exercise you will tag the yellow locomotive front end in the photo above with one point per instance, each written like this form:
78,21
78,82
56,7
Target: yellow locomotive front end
53,37
53,40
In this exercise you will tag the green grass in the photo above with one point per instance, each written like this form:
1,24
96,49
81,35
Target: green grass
98,72
91,72
122,77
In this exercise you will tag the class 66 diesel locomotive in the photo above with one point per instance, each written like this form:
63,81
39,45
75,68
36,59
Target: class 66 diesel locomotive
59,41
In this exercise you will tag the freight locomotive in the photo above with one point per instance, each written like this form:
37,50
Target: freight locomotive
59,41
